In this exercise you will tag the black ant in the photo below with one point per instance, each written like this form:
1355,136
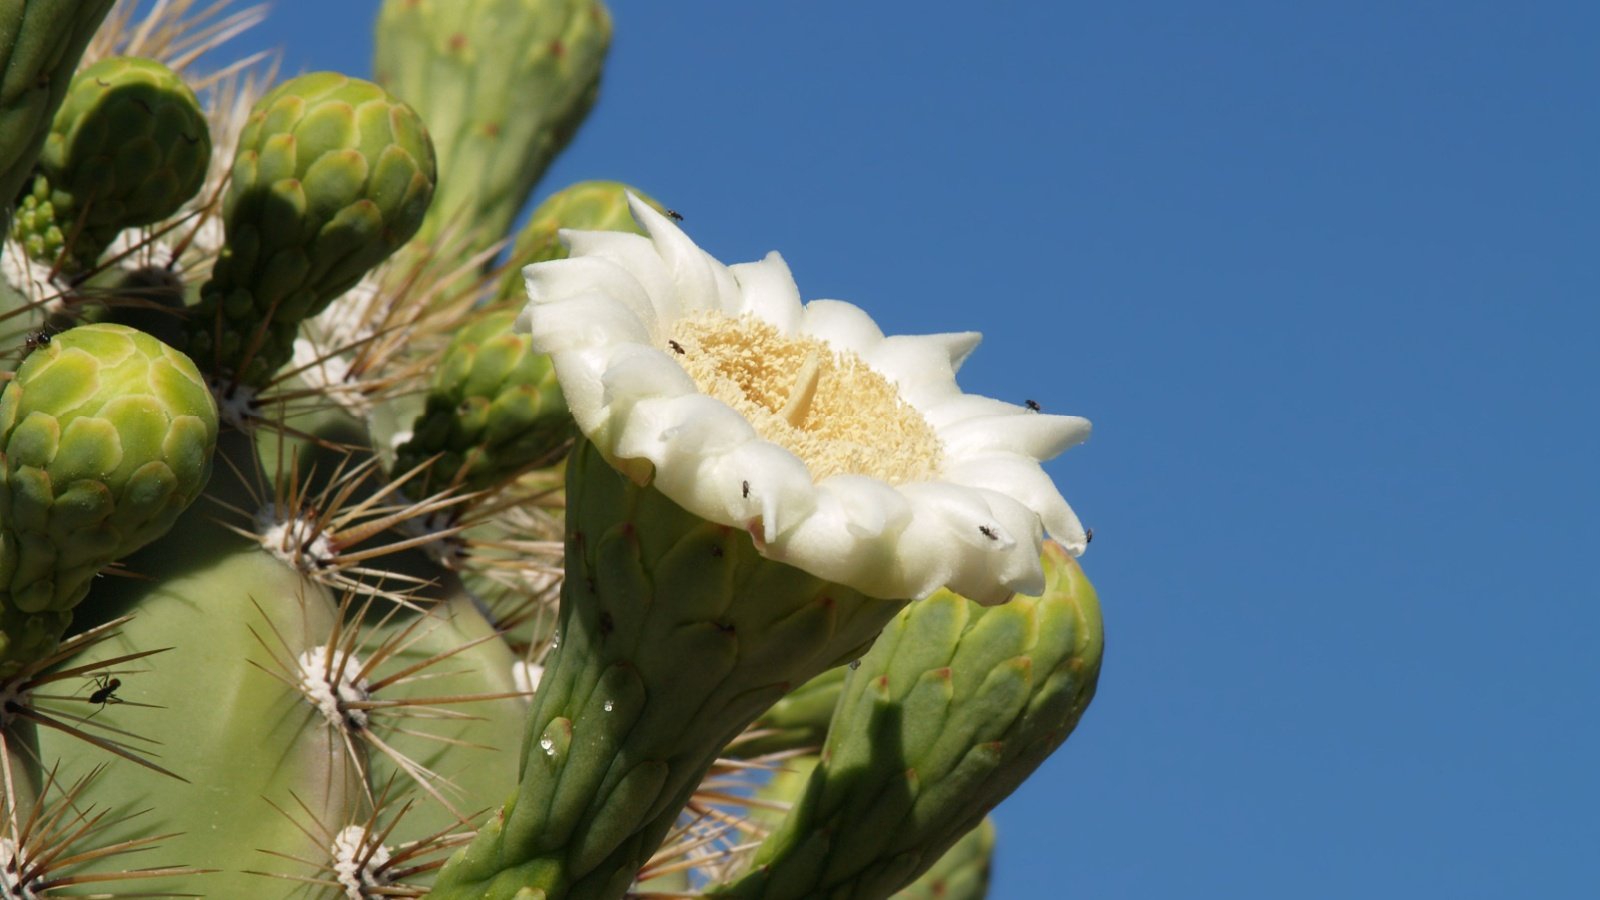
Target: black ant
1031,404
674,215
676,347
105,691
36,340
1088,535
989,532
746,486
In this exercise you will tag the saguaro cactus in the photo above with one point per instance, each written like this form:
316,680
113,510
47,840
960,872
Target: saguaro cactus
398,580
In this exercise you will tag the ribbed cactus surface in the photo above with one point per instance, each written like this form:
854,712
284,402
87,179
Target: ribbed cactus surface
504,83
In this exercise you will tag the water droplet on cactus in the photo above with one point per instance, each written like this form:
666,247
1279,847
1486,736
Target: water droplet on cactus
609,706
548,746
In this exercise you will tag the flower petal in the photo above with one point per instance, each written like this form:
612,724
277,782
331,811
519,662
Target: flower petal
769,292
1020,478
1028,433
700,281
844,325
565,279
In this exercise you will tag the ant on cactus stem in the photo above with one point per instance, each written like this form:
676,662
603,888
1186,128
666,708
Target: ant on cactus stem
105,691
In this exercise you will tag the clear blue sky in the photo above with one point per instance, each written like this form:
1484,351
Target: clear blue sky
1323,275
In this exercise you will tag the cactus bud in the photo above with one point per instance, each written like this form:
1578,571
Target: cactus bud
495,408
128,147
952,708
107,435
331,176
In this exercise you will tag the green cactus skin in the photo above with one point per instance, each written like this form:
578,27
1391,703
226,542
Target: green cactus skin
473,748
585,206
107,436
504,84
495,409
332,175
953,707
40,44
798,721
238,735
962,873
129,146
622,730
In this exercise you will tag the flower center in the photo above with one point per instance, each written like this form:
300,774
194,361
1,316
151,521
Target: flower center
822,404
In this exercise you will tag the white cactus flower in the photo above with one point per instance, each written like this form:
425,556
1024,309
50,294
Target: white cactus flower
850,455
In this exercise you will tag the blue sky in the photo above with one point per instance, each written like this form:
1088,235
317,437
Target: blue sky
1323,275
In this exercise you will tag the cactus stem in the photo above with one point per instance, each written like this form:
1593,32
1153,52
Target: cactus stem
20,696
359,860
341,681
38,854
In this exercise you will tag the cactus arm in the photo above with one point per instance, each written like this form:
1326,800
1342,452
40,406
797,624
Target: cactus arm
946,715
505,83
230,612
962,873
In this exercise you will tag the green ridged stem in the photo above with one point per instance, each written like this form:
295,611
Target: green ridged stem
240,736
797,721
40,44
332,175
952,708
962,873
503,84
107,436
495,409
472,746
673,635
585,206
129,146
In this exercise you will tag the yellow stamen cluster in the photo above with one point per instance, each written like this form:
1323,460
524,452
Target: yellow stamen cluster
824,405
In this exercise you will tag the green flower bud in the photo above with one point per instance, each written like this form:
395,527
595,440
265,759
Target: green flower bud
954,706
128,147
107,435
495,409
331,176
40,43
